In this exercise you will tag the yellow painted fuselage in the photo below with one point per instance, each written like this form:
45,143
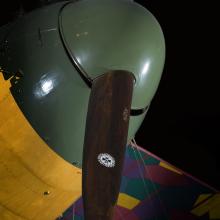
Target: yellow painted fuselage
35,183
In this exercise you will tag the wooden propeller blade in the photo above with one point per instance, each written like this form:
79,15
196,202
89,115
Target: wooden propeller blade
105,142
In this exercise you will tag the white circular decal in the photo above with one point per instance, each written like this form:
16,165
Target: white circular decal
106,160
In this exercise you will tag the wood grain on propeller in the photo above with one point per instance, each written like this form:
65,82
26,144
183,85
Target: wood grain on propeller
105,141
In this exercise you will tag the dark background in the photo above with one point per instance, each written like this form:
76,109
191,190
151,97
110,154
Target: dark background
182,125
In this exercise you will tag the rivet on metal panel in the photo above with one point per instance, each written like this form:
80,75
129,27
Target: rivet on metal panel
46,193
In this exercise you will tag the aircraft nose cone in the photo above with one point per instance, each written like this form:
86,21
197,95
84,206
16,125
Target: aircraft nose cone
103,35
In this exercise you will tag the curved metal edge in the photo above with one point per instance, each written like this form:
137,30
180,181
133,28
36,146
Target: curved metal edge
85,76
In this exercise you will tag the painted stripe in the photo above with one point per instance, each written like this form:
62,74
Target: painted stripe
202,198
210,206
127,201
169,167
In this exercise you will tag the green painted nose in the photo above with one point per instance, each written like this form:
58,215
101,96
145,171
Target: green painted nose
103,35
58,46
